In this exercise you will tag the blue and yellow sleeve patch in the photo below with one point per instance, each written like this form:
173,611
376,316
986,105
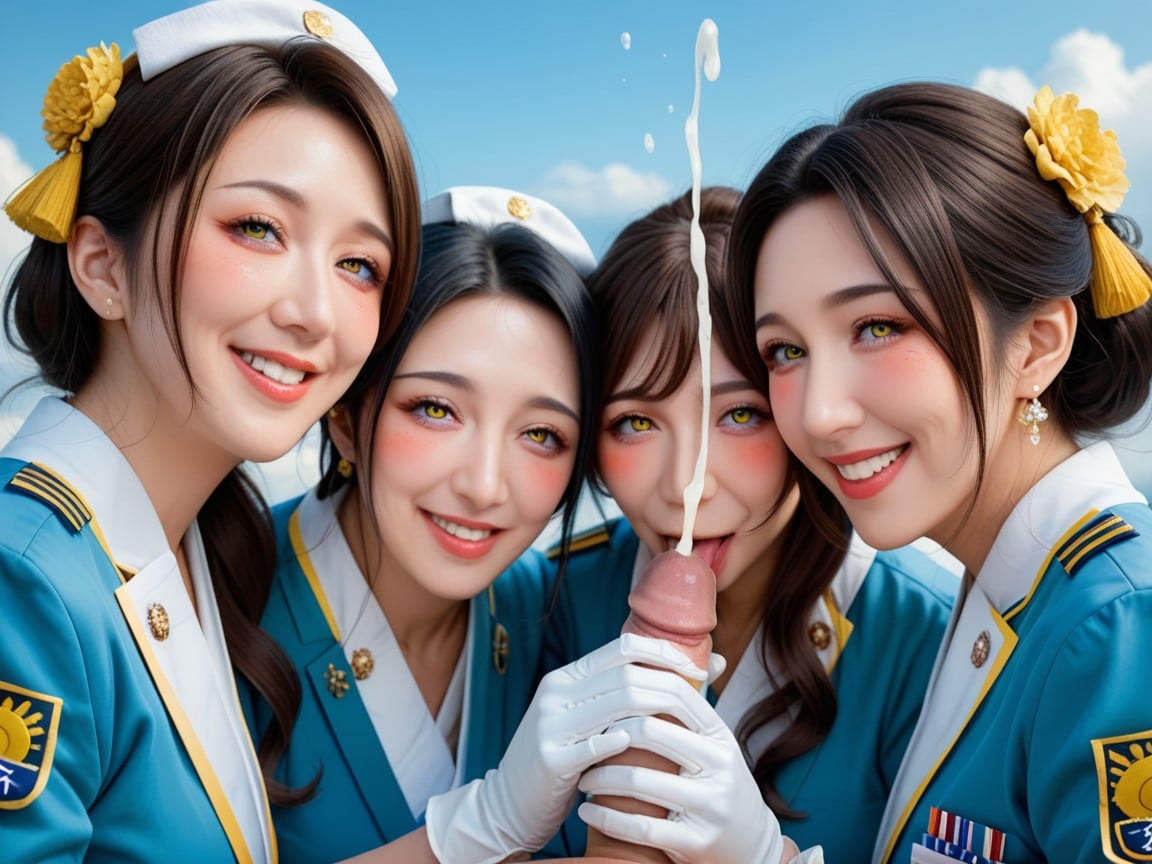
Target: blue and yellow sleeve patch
45,485
589,539
1124,772
1096,536
28,725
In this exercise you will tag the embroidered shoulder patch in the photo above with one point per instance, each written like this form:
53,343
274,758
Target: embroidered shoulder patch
590,539
1124,771
28,722
40,483
1096,536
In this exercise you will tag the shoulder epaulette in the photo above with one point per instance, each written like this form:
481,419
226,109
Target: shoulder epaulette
40,483
1097,535
589,539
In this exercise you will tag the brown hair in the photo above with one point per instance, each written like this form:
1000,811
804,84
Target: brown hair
189,112
646,280
944,170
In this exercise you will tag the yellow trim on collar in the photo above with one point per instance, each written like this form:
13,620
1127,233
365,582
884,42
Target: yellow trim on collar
1010,640
196,752
305,560
841,627
589,539
1070,533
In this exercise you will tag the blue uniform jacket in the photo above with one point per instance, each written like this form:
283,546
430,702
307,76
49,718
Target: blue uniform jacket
98,760
1038,725
893,627
358,804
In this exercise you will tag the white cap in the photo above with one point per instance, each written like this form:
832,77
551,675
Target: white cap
169,41
491,205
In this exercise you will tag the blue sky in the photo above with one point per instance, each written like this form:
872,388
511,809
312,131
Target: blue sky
542,96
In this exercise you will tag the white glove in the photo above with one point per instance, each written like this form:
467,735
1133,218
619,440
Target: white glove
715,810
521,804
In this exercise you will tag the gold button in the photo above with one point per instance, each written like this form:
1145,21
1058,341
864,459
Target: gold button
519,207
820,635
158,622
980,648
362,663
317,23
337,681
500,649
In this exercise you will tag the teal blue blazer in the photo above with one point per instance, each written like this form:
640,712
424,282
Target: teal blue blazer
358,803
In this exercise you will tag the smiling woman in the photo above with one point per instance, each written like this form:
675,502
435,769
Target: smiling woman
229,231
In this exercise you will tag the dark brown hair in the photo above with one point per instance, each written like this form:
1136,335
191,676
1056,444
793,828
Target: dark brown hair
944,170
188,113
646,280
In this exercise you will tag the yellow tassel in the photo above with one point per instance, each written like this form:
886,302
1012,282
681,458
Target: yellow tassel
46,205
1119,284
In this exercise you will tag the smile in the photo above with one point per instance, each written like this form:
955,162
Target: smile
461,532
865,468
272,368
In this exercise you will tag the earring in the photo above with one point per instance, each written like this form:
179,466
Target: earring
344,468
1032,416
107,307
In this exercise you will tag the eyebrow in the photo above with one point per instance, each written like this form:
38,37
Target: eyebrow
733,386
838,298
294,198
546,403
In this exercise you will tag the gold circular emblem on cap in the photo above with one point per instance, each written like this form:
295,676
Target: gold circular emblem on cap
980,648
158,622
317,23
519,207
362,663
337,681
820,635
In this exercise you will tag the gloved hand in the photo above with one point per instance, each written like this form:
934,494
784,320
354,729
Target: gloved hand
715,810
520,804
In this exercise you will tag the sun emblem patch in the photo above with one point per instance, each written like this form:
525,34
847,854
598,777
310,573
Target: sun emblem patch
1124,770
28,722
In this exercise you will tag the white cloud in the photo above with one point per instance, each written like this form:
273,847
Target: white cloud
1092,66
614,190
13,172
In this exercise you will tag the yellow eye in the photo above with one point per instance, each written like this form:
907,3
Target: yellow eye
741,415
879,330
436,412
353,265
791,352
540,436
255,230
640,424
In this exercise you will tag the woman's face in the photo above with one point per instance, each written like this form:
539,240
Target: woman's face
648,451
861,394
282,286
475,442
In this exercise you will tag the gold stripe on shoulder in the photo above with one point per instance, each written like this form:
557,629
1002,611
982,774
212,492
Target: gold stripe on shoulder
589,539
41,483
1097,535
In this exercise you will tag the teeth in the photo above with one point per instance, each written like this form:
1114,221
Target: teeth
272,369
461,531
865,468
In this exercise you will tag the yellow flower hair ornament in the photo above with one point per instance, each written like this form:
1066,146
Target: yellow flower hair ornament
80,99
1071,149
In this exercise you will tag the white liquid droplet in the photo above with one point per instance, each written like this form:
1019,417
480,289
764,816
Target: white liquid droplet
708,56
626,40
670,109
649,142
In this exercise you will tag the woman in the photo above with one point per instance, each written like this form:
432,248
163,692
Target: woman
232,228
948,311
826,640
448,458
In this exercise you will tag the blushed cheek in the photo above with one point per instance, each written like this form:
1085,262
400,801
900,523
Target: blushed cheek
404,447
617,465
547,482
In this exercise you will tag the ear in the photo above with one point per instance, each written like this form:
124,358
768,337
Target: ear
97,265
1047,338
340,431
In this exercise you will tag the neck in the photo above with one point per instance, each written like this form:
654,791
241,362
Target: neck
1007,479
